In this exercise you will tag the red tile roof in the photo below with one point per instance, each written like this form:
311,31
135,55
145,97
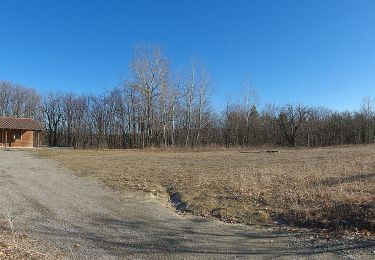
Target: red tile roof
20,123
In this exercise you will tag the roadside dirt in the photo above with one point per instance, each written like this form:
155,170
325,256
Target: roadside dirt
88,220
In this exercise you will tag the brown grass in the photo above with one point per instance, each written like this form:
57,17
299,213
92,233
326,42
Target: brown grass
331,188
18,246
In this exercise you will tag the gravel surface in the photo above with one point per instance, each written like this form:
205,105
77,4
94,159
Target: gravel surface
88,220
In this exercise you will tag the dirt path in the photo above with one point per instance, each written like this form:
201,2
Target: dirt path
91,221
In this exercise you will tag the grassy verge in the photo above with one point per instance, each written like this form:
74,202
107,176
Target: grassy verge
18,246
329,188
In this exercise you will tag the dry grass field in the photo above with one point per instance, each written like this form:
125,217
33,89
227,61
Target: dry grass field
327,188
16,246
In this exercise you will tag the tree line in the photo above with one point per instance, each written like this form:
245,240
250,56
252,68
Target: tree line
154,107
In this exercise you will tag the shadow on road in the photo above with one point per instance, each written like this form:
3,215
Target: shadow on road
161,239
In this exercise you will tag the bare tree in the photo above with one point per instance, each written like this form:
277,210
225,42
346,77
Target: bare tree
53,112
368,111
151,71
203,83
250,100
189,98
291,119
6,90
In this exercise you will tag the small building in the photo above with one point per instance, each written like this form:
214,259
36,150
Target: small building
20,132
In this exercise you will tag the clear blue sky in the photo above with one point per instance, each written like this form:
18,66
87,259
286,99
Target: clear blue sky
318,52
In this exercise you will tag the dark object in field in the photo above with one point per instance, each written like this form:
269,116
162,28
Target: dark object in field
265,151
272,151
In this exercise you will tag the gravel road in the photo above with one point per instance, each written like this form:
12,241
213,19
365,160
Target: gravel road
91,221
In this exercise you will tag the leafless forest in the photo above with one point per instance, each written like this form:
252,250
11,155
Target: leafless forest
155,107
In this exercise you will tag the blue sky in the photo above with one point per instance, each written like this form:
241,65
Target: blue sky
317,52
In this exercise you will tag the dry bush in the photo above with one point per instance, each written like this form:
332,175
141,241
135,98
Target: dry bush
330,188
